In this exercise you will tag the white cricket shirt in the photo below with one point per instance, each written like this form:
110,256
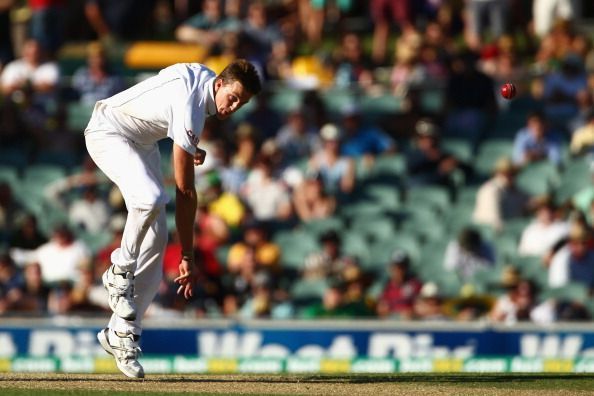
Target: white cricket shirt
174,104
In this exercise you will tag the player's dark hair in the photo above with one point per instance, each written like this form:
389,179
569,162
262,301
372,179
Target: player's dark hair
244,72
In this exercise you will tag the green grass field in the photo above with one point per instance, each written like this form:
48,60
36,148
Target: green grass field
369,384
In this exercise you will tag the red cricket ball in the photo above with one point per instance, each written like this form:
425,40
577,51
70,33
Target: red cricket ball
508,90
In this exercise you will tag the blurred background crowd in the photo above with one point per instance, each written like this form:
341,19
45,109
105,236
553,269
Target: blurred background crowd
380,173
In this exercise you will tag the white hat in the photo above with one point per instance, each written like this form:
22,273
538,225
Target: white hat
430,290
330,132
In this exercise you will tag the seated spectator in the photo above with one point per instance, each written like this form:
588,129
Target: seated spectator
430,303
262,302
60,259
337,171
361,139
575,261
582,139
545,230
35,293
401,289
468,253
96,80
90,213
255,246
297,139
517,303
30,71
408,70
10,211
311,200
536,142
267,197
428,162
11,284
334,304
224,204
499,199
329,261
206,28
260,32
27,235
211,233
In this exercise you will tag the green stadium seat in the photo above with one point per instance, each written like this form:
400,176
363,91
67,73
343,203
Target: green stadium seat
538,178
386,196
9,175
572,292
354,244
319,226
489,151
381,251
374,228
304,289
436,198
460,148
295,246
79,115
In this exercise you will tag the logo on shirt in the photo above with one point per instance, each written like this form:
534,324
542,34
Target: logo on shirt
193,138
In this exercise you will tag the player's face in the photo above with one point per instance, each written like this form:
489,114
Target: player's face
229,98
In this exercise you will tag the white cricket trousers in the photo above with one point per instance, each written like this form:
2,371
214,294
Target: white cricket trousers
136,170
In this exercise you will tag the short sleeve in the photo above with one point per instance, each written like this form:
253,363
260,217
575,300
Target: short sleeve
186,121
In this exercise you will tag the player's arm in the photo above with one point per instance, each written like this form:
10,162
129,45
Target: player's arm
185,213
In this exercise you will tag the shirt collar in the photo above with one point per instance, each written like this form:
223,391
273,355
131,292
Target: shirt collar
211,107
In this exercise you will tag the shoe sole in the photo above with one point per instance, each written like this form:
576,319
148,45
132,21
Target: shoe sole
105,283
102,337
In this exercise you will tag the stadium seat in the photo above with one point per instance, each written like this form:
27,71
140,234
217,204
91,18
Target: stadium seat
538,178
295,246
572,292
306,289
381,251
435,198
79,115
385,104
9,175
489,151
386,196
355,244
319,226
374,228
460,148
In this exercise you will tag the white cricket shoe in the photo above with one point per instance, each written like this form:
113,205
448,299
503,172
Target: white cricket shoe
125,350
120,288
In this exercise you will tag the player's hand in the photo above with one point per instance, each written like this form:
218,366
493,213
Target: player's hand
199,157
185,279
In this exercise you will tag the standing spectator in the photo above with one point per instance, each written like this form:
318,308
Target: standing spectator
207,27
96,80
536,142
496,10
468,253
337,171
383,13
547,12
30,71
401,289
499,199
575,261
545,230
260,32
119,19
47,23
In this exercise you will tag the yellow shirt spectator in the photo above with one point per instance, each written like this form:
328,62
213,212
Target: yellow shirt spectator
229,208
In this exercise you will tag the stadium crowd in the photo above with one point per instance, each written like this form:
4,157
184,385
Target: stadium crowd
398,184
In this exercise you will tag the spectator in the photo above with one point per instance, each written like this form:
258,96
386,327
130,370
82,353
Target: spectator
565,90
206,28
263,118
496,10
519,300
337,171
335,305
545,230
125,20
91,213
361,139
430,304
47,23
468,253
30,71
400,291
297,139
329,261
96,80
27,235
547,12
582,139
60,259
408,70
35,293
383,12
11,284
266,196
428,162
211,233
536,142
575,261
260,32
311,200
350,63
10,211
224,204
255,246
499,199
